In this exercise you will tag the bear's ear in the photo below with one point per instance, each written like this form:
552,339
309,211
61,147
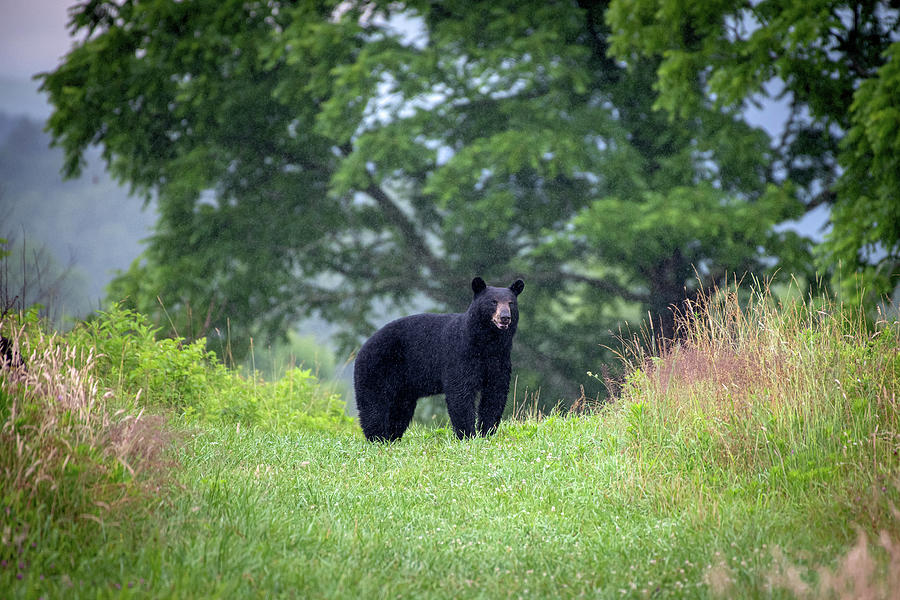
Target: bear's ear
478,285
517,287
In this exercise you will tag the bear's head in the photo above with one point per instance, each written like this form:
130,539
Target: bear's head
496,306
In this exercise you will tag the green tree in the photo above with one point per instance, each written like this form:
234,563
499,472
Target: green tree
355,159
834,62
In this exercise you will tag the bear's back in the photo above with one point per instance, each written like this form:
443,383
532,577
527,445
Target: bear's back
410,349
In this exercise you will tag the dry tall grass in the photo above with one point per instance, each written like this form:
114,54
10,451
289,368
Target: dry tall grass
748,373
63,444
798,398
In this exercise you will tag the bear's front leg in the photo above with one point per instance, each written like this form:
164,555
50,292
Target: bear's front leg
495,389
460,393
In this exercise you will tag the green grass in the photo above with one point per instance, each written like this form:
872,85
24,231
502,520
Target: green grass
757,459
543,509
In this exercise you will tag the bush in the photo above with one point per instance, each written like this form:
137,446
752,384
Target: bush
295,401
130,360
187,377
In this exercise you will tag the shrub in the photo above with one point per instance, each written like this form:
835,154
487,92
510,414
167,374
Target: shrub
130,360
295,401
187,377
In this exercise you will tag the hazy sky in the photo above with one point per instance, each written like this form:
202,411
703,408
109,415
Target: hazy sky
33,36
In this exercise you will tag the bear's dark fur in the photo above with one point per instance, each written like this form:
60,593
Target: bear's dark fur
9,356
422,355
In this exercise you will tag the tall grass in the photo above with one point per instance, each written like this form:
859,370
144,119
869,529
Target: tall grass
72,459
760,400
57,421
87,444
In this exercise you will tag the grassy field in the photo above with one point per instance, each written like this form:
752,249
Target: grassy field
758,458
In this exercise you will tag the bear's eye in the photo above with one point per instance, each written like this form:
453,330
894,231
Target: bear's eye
494,302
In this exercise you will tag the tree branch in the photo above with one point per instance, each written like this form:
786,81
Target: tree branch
826,196
605,285
406,227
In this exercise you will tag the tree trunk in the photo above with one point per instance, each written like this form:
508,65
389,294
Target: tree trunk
667,293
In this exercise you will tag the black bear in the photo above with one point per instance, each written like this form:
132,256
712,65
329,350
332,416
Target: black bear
8,355
422,355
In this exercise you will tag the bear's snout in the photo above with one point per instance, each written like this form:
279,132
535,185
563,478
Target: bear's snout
502,317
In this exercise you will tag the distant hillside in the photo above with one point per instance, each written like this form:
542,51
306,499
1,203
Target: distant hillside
20,96
90,222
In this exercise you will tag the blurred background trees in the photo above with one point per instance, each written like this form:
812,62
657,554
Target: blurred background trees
835,64
61,238
357,160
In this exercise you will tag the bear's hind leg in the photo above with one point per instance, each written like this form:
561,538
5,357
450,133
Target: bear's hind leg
401,414
374,407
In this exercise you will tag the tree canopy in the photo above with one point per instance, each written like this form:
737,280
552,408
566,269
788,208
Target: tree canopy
354,160
836,65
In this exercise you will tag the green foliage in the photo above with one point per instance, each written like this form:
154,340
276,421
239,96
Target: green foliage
172,373
132,361
756,459
866,216
835,62
317,160
296,401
